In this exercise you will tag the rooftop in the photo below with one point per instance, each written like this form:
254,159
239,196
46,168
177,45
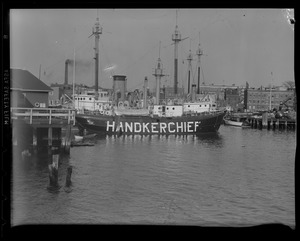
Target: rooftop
26,81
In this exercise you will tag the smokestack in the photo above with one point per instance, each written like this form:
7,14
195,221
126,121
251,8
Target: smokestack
66,71
119,87
193,92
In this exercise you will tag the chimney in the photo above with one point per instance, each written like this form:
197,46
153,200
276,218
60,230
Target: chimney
66,71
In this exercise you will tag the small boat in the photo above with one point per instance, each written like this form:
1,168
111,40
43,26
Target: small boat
236,121
80,138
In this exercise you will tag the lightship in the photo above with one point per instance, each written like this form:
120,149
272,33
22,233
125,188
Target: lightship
124,116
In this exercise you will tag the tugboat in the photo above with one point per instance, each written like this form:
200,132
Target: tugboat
146,117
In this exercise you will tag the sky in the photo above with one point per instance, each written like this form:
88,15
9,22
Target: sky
239,45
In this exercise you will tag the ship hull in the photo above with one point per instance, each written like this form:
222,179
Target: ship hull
146,125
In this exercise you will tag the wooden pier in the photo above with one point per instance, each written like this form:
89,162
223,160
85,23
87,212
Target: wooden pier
42,129
272,123
265,121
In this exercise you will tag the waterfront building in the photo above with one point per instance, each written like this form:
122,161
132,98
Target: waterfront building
27,90
232,97
217,90
55,96
264,99
226,95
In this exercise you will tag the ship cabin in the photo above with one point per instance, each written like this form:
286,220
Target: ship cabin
167,110
87,101
199,107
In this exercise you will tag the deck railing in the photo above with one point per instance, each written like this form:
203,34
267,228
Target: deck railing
47,113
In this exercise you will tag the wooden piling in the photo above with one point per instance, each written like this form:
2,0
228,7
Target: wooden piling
34,140
68,139
265,120
53,166
277,124
50,137
53,175
68,178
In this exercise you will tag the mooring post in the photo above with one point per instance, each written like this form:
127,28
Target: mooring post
272,124
286,125
53,175
53,168
277,124
68,178
68,139
265,120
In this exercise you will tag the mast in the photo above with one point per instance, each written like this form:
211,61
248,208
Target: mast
158,73
189,59
74,69
199,53
97,30
176,37
145,93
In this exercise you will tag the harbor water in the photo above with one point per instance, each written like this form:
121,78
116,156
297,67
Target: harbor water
236,177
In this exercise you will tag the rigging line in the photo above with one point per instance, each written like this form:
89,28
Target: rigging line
136,86
195,72
202,72
107,59
82,45
168,45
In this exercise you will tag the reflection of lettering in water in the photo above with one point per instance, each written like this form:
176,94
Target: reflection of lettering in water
153,127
